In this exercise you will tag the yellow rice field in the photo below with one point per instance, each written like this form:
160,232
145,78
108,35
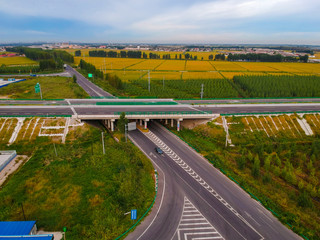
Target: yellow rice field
163,75
227,66
110,63
130,68
150,64
199,66
257,66
174,65
9,61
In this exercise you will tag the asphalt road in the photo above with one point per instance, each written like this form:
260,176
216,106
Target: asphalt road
198,200
92,89
106,109
255,100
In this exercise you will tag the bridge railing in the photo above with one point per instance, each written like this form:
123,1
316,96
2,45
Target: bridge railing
166,113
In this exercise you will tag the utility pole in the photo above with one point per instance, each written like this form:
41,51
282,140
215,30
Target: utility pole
149,80
40,91
201,93
103,150
55,150
126,131
24,216
163,82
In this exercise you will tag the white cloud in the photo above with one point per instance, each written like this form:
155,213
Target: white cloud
171,20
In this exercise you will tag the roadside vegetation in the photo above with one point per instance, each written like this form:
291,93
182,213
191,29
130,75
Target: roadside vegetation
281,170
51,87
77,186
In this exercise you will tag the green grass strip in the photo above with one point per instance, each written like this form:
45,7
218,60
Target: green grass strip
136,103
142,215
266,113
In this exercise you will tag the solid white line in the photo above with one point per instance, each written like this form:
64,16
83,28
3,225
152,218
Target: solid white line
163,190
197,228
203,238
197,223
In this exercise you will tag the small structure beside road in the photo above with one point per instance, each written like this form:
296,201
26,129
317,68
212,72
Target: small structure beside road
6,157
17,230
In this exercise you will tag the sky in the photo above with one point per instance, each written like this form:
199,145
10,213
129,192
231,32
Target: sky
161,21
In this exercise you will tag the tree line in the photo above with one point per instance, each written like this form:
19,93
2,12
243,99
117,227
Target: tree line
90,68
48,59
263,57
278,86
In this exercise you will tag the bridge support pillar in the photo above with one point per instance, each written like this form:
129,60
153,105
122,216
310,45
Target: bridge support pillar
109,123
140,122
146,123
178,124
112,124
171,122
166,121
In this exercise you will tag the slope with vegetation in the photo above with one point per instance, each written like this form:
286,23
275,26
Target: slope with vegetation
76,186
272,159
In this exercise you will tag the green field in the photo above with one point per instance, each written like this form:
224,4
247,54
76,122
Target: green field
273,159
80,188
52,88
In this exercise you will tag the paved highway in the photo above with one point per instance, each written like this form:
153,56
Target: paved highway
203,103
257,100
198,201
92,89
107,109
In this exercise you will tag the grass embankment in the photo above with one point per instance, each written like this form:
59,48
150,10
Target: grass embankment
52,88
283,172
81,188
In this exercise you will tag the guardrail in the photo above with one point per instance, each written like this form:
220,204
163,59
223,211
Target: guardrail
16,116
136,103
265,113
166,113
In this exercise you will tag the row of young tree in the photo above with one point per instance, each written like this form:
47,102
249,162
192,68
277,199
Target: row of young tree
278,86
263,57
90,68
48,59
221,57
213,88
114,54
20,69
139,54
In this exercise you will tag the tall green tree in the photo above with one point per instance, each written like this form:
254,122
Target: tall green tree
255,171
122,122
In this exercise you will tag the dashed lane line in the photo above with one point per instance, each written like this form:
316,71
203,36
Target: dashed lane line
194,175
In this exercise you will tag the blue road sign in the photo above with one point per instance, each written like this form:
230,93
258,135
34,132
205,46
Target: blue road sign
134,214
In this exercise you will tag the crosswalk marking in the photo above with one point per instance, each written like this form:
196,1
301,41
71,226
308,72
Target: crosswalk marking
194,175
196,227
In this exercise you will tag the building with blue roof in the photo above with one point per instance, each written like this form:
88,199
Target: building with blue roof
21,230
18,228
28,237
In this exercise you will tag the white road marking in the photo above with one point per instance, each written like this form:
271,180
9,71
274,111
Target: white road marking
194,226
194,175
163,190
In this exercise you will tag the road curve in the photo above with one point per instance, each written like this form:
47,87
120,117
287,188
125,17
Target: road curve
224,209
